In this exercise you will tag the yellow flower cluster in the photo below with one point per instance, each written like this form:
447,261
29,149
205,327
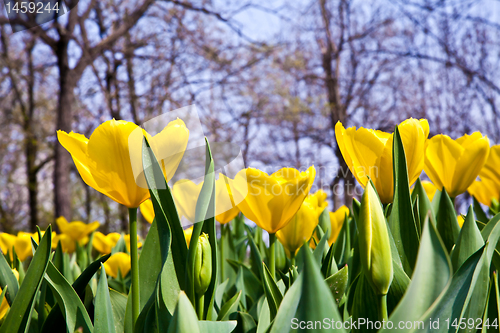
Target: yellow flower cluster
450,164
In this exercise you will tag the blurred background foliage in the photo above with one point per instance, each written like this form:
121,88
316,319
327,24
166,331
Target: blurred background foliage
273,77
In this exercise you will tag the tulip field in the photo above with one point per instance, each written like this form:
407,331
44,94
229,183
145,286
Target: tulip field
399,258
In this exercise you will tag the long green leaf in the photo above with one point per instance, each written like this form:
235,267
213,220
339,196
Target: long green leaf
469,241
103,311
184,319
431,277
401,221
446,221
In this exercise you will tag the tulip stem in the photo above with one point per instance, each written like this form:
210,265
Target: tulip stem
383,307
222,259
132,213
272,254
200,303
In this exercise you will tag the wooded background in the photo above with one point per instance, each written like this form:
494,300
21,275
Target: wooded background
272,76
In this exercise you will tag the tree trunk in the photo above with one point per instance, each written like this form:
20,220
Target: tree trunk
67,83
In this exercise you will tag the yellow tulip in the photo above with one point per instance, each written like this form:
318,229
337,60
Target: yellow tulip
21,244
186,194
76,230
105,243
147,211
271,201
485,190
429,188
302,225
225,207
187,234
68,244
374,245
455,164
460,220
117,262
490,169
368,153
105,160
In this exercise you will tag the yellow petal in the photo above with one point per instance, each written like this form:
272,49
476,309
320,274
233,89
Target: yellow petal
147,211
169,146
476,150
414,134
105,243
187,234
23,245
118,261
110,158
485,190
491,169
76,144
300,228
68,244
186,194
225,208
337,219
441,156
7,242
430,189
76,230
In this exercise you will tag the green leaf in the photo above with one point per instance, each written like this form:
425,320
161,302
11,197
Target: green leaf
469,241
316,301
431,276
492,311
184,319
324,222
364,295
205,210
265,317
342,246
329,265
7,278
424,204
51,324
150,267
399,284
446,221
320,248
19,316
70,304
164,207
401,221
480,214
287,309
217,326
338,283
103,311
119,305
229,307
273,294
449,306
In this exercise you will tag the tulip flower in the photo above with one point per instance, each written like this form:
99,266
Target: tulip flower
374,246
105,160
368,153
110,161
21,244
302,225
147,210
455,164
486,191
225,207
76,230
490,169
68,244
186,194
118,262
105,243
271,201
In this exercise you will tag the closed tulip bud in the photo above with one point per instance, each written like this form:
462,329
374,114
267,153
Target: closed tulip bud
374,246
202,265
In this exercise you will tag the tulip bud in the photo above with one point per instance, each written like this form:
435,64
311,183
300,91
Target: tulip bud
374,245
202,265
